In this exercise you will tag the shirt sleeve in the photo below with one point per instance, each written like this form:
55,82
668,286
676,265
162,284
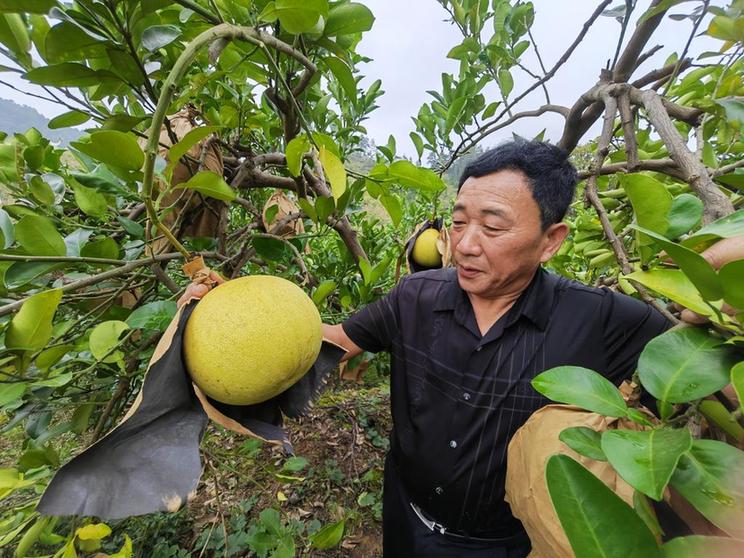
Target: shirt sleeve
376,325
628,325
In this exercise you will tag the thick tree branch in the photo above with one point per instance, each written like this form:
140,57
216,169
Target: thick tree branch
667,166
603,144
715,202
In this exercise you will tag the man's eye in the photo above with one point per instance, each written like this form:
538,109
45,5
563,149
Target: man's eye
458,223
492,229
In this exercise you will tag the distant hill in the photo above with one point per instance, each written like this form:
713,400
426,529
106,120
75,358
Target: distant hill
16,118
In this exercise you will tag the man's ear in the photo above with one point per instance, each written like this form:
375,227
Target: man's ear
553,237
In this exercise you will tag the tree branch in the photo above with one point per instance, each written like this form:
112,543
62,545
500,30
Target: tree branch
93,279
715,202
468,144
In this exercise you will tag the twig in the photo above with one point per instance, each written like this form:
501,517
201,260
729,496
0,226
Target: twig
221,514
92,280
309,279
562,60
697,23
591,193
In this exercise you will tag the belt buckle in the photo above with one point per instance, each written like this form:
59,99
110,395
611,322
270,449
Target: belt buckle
431,525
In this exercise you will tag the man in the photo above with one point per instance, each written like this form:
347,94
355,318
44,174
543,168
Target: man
465,343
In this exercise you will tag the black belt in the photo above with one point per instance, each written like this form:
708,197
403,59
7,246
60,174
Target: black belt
433,525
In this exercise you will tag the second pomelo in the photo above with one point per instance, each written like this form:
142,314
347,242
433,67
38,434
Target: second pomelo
425,250
251,338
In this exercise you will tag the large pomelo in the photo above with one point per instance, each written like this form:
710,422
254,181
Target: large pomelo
425,250
251,338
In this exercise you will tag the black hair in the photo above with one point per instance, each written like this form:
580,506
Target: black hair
551,175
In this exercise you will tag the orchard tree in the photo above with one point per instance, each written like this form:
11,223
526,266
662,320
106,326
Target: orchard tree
233,130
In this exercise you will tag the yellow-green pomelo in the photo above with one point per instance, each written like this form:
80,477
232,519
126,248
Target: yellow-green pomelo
251,338
425,249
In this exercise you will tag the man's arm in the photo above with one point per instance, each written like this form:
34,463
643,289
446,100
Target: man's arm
337,335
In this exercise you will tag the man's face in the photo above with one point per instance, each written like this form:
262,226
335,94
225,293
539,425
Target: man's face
496,236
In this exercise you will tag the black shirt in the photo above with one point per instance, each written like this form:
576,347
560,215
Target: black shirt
457,397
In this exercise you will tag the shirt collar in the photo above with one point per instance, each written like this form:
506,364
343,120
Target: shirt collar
535,302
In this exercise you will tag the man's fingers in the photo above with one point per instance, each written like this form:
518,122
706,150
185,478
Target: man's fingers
725,251
692,317
214,276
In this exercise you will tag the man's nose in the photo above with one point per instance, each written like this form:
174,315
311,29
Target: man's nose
469,242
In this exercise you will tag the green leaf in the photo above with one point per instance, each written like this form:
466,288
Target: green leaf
646,459
733,107
725,227
296,148
418,143
210,184
31,328
67,74
334,171
737,381
697,268
188,141
88,200
105,248
490,110
343,74
454,113
6,228
10,393
646,512
411,176
294,464
41,190
685,364
52,355
67,119
37,235
270,248
506,82
104,338
347,18
674,285
94,531
112,147
590,514
133,228
14,35
581,387
68,42
328,536
27,6
650,200
695,546
393,207
584,441
158,36
296,16
685,213
709,477
155,315
322,291
21,273
731,276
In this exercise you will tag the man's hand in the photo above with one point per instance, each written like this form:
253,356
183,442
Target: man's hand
198,291
722,252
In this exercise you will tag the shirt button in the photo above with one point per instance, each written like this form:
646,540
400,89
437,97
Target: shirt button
453,444
466,396
478,348
439,490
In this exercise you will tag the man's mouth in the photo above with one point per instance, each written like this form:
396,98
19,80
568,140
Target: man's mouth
467,271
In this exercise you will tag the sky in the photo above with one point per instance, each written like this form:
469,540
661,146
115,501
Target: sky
410,40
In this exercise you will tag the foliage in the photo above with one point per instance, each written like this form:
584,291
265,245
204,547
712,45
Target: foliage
92,235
